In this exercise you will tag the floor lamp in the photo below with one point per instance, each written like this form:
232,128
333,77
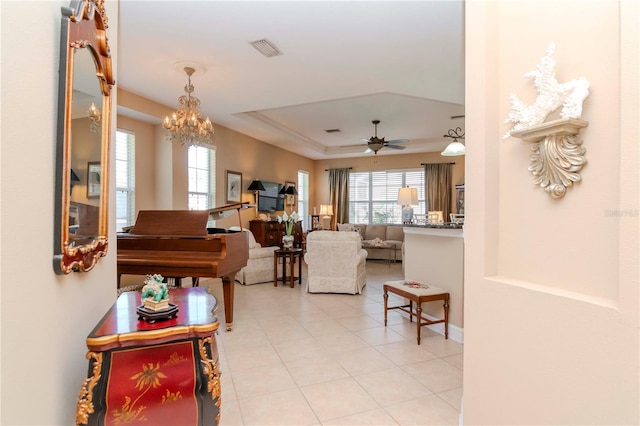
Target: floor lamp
326,211
256,186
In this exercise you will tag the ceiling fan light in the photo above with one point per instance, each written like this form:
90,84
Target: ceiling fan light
453,149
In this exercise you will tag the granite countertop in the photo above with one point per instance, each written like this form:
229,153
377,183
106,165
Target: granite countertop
445,225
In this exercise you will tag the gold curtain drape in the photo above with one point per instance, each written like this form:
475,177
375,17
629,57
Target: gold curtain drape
437,184
339,195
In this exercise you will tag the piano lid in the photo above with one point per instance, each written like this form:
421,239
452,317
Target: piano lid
171,222
181,222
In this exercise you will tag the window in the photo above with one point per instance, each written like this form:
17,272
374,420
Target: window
303,199
202,172
373,196
125,179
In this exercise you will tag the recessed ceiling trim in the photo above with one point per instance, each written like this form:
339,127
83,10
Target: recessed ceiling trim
265,47
316,146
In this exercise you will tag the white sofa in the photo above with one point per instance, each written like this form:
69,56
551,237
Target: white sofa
259,267
336,262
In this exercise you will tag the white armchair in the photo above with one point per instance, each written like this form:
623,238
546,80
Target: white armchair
259,267
336,262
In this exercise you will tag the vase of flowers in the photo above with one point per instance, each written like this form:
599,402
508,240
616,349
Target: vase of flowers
289,221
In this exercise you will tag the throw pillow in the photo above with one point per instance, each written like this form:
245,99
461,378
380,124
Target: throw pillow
395,233
345,227
376,231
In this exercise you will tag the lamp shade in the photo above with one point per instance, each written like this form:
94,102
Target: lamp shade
453,149
408,196
74,176
256,185
326,209
291,190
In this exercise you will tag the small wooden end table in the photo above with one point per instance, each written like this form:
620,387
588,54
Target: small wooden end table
291,255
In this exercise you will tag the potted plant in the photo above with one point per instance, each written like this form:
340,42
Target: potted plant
289,221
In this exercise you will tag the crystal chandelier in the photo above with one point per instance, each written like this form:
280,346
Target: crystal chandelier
94,117
186,126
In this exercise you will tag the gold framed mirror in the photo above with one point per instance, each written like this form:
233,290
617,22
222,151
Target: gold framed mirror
82,150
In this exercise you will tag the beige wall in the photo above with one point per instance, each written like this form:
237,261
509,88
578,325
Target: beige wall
241,153
234,151
538,349
551,286
383,162
45,318
86,149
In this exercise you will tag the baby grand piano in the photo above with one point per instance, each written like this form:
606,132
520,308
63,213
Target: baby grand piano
177,243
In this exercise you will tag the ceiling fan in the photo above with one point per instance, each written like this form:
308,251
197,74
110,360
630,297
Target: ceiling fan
375,144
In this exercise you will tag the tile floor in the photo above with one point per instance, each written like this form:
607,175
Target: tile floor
295,358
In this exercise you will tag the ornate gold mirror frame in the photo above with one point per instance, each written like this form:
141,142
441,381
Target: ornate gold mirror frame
81,221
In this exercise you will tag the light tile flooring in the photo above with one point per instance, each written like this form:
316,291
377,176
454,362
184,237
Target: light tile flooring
295,358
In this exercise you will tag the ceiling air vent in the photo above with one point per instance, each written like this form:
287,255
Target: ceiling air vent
265,47
333,130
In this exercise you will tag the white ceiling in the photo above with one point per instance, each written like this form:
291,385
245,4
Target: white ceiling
344,64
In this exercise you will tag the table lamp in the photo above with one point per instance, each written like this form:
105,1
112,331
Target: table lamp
256,186
407,197
74,179
290,192
326,210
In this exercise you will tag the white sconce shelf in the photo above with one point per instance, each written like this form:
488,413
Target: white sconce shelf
558,154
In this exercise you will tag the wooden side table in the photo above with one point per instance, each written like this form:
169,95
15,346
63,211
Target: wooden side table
160,373
291,255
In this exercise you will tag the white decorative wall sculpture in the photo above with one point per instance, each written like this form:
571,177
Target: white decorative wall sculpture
558,154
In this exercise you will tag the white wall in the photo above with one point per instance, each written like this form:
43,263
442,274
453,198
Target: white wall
45,318
551,286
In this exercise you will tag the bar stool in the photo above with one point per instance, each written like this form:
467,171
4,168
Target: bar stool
417,293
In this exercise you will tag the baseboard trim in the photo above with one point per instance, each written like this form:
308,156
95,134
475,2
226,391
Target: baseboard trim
455,333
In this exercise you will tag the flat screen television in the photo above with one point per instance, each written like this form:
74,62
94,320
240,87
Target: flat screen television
270,200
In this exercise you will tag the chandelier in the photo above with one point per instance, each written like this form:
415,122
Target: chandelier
94,117
186,126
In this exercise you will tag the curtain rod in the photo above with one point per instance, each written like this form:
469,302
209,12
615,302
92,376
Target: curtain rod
349,168
425,164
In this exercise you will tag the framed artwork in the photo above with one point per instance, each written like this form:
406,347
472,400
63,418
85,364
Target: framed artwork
315,222
93,179
234,187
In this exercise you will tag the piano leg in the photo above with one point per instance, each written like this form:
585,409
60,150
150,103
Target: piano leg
227,290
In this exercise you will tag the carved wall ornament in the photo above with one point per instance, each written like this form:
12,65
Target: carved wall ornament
558,154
